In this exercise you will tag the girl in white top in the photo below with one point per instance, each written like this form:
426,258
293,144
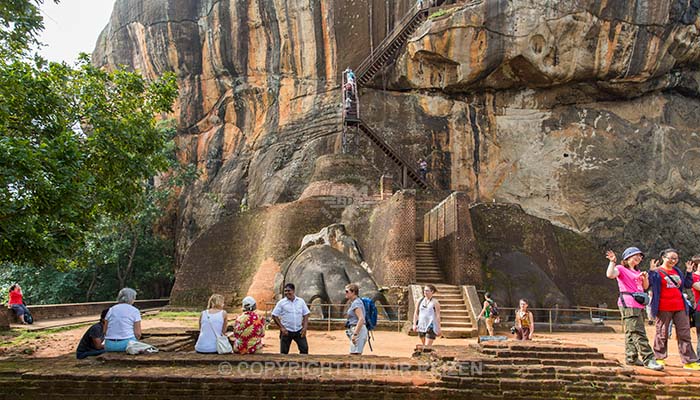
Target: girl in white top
426,318
212,323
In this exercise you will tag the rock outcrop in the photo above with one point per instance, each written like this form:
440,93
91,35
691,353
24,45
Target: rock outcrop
582,112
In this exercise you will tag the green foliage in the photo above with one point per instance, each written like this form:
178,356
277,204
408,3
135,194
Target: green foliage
20,22
79,147
76,143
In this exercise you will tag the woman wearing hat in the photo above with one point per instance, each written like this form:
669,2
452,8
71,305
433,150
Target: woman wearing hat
669,304
631,280
248,329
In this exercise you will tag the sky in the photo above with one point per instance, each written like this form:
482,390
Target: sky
72,26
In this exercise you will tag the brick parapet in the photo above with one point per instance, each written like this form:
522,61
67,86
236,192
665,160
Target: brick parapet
448,227
390,248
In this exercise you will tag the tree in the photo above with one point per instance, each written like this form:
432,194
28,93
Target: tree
77,144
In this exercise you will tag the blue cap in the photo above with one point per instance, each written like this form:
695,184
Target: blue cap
630,251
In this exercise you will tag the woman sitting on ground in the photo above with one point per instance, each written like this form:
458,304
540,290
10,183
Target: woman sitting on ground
92,342
524,322
123,322
248,329
212,323
16,302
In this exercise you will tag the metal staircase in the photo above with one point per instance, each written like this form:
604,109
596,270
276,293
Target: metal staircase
389,48
386,52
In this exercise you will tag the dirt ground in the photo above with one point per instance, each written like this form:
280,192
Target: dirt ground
385,343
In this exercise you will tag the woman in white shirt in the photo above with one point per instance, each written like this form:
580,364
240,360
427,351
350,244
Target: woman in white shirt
426,318
123,322
212,323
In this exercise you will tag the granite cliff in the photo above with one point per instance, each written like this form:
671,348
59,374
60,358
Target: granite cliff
582,112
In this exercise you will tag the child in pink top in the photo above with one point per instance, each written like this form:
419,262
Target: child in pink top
631,280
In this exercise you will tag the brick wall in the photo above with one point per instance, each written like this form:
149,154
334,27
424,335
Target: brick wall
54,311
390,244
448,226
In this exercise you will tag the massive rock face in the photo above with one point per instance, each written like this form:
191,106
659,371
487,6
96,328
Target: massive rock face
582,112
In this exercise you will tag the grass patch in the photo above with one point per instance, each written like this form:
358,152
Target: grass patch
438,14
174,315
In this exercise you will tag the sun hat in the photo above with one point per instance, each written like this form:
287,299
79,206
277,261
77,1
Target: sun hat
249,303
630,251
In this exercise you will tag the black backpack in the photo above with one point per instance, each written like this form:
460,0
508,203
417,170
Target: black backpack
28,315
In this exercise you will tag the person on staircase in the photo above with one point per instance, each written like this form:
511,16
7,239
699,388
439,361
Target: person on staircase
524,321
631,280
426,317
487,312
668,304
423,168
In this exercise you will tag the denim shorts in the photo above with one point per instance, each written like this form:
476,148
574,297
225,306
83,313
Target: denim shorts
118,345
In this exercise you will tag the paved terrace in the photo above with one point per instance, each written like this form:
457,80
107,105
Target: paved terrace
551,367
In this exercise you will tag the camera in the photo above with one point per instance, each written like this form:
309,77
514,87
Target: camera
512,330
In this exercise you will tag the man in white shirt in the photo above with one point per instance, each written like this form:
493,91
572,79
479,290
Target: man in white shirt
292,316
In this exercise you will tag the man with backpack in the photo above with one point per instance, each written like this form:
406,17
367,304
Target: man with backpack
489,312
356,324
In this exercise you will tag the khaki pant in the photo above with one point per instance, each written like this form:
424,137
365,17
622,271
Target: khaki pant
489,325
682,323
636,342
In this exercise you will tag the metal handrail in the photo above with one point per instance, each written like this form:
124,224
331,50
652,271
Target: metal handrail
384,44
399,308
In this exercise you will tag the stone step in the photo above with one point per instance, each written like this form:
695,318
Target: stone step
531,346
456,324
448,296
542,355
454,312
455,333
451,302
494,363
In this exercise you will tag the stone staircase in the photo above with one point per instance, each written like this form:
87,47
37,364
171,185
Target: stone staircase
427,265
548,370
456,321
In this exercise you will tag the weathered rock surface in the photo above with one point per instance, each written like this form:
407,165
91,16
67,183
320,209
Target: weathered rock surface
582,112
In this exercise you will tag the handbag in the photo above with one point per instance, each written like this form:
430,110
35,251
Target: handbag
686,300
223,345
640,297
136,347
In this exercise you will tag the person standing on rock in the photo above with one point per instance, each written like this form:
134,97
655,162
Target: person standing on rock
291,314
487,312
667,282
426,318
524,321
631,280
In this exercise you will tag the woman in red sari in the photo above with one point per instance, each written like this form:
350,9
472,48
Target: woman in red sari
248,329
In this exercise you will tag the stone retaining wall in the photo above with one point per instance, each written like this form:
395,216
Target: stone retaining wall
55,311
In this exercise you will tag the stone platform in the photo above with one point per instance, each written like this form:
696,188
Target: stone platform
491,370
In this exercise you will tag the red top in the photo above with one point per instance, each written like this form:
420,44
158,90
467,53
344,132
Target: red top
671,298
15,297
696,293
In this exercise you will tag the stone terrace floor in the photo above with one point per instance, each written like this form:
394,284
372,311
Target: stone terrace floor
558,365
